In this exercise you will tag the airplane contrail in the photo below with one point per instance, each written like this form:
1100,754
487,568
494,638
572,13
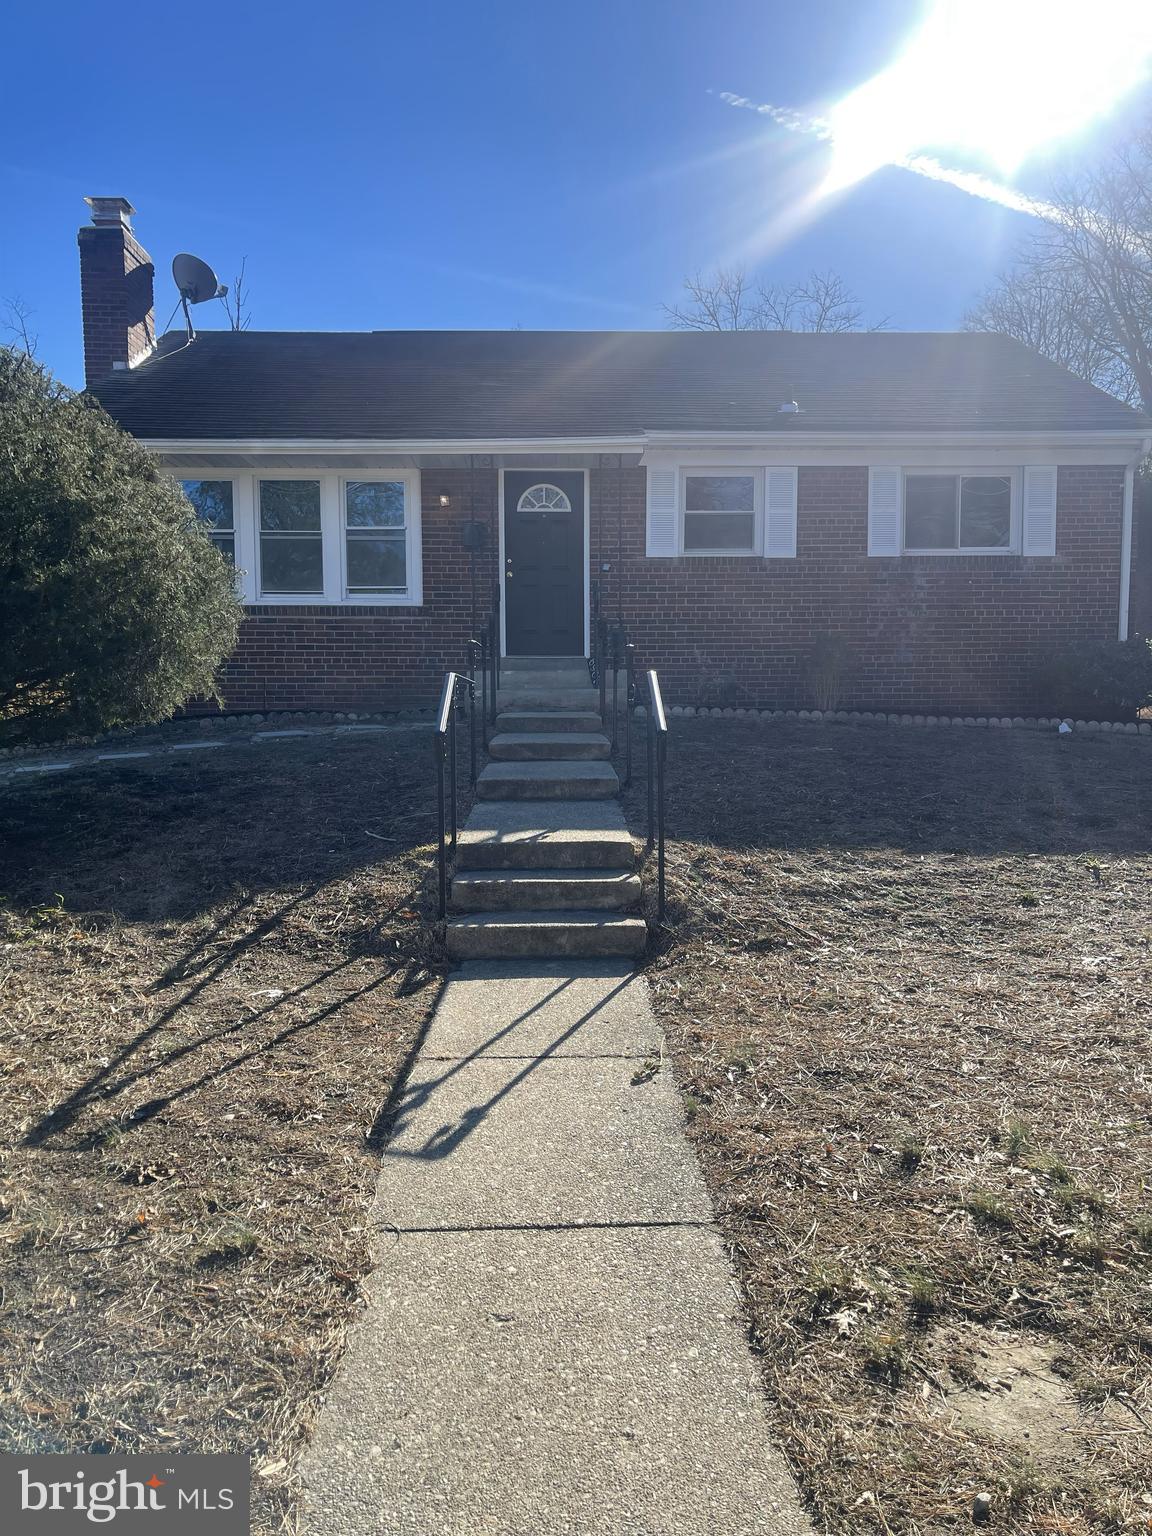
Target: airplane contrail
921,165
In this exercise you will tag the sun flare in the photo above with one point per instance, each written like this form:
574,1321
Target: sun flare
997,78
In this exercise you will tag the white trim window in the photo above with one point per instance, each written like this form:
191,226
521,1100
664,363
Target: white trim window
376,539
215,505
721,511
291,538
950,512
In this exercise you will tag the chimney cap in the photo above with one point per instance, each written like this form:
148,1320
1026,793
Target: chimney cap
111,210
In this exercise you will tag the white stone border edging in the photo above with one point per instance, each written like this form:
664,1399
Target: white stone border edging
88,754
865,716
197,725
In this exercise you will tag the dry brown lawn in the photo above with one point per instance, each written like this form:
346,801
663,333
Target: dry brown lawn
212,969
909,1002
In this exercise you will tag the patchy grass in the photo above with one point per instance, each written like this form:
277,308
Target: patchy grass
211,973
907,997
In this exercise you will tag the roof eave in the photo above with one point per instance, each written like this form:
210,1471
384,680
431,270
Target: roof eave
630,443
1054,436
1135,439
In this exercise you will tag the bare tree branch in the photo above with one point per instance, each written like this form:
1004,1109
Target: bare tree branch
14,323
236,301
1081,292
725,300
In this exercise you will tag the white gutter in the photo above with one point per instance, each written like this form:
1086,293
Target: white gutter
1082,438
633,442
353,445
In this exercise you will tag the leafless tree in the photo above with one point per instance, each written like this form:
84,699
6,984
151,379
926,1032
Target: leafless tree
1081,292
1047,310
726,300
236,301
14,318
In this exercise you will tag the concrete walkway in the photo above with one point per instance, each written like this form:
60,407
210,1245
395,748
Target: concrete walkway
552,1343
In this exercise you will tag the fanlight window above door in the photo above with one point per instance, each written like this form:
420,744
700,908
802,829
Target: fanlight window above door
543,498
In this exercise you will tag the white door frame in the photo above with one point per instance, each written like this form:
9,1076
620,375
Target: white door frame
544,471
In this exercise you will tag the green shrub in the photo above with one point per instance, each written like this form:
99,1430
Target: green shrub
1096,680
116,608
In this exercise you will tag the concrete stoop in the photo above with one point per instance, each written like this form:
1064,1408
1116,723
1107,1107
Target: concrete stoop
545,865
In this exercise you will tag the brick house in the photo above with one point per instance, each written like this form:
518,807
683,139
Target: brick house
948,507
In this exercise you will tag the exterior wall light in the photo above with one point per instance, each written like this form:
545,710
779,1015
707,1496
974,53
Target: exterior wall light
445,499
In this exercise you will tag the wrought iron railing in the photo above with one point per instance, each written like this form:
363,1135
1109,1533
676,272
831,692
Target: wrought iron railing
457,696
484,660
612,666
657,757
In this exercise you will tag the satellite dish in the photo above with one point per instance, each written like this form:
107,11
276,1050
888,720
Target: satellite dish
197,283
195,279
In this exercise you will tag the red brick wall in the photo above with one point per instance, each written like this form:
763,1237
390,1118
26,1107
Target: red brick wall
923,634
944,634
116,279
359,657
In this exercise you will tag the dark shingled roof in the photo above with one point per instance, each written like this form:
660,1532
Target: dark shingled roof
578,384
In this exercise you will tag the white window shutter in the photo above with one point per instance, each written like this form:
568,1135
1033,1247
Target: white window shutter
885,513
780,514
663,511
1039,536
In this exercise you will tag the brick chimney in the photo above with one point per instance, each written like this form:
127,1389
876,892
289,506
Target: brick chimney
115,290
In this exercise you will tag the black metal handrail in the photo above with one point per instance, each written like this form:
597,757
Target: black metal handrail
484,659
457,694
657,756
612,667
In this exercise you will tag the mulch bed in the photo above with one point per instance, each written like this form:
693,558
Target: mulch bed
212,971
907,992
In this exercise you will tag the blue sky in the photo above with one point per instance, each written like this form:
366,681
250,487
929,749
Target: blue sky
461,164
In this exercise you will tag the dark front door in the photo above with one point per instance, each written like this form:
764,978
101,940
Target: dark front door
544,563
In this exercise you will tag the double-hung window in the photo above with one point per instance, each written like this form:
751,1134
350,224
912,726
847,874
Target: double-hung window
961,513
721,511
213,502
291,538
376,518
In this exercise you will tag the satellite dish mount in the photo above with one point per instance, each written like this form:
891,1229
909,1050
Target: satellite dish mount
197,283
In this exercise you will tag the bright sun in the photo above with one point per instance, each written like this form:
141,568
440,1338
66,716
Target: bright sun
999,78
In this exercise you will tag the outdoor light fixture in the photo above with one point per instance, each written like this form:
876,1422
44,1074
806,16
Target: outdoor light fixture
445,499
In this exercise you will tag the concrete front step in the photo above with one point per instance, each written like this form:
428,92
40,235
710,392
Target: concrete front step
567,664
543,935
514,697
530,834
533,890
545,680
562,780
516,721
545,746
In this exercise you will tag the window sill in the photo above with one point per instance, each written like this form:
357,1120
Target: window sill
318,600
952,554
719,554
